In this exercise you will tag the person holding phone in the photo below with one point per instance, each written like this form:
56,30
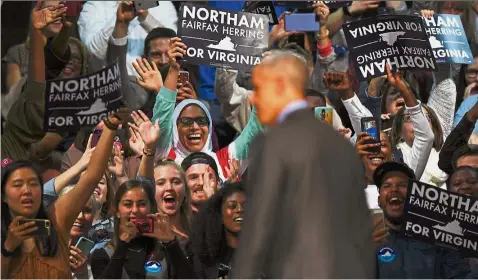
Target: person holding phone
145,245
398,255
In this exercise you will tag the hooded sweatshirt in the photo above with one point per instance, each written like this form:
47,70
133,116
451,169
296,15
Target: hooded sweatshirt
169,145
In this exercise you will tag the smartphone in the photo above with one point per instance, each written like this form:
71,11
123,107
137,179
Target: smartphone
145,225
369,125
42,225
299,39
324,114
378,213
85,245
301,22
144,5
183,77
96,137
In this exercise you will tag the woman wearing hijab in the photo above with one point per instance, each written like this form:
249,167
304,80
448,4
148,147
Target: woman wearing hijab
188,127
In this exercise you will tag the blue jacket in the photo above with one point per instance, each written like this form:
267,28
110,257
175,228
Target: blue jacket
410,258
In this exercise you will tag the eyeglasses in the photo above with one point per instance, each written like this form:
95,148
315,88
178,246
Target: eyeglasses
187,121
472,73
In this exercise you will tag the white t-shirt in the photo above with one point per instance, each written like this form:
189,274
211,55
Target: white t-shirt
371,193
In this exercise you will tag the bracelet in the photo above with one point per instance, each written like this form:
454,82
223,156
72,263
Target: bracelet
148,152
109,125
6,253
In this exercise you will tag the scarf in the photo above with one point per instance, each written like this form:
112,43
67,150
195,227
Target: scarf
180,151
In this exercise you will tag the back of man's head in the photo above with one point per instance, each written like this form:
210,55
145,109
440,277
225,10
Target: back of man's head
465,156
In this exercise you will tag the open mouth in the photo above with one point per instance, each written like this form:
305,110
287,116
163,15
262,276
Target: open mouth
68,69
238,220
97,192
376,160
78,225
169,201
27,202
396,201
195,138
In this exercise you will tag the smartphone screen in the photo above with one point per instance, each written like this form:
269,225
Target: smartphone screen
325,114
369,125
183,77
85,245
144,5
301,22
376,214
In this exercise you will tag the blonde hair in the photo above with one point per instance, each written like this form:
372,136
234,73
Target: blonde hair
91,200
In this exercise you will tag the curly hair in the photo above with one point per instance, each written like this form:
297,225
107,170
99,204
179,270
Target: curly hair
208,240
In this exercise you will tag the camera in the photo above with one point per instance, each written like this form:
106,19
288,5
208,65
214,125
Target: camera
144,225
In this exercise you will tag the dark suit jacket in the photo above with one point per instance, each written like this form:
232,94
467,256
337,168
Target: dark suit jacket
306,215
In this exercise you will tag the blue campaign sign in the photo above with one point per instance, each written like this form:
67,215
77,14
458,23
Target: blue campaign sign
448,39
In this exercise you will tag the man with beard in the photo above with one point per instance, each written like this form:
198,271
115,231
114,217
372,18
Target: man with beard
202,178
399,256
299,223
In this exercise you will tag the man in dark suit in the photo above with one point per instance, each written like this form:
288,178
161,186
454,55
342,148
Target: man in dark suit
307,216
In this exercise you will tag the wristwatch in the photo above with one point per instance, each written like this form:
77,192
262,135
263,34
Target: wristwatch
346,11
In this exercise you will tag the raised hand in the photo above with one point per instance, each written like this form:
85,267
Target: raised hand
186,91
17,233
148,132
41,17
322,11
176,51
116,167
232,170
338,81
209,186
358,7
278,31
86,157
136,142
162,228
125,12
151,79
428,14
396,79
119,117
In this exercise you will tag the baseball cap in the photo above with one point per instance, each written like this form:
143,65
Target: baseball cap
197,158
386,167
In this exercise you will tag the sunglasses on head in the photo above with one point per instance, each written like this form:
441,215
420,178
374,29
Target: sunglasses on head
187,121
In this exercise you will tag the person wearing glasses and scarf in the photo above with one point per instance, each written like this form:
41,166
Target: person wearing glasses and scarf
187,128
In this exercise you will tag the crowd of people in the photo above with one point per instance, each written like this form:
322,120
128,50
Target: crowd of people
159,189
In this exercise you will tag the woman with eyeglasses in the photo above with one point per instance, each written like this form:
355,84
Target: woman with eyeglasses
187,128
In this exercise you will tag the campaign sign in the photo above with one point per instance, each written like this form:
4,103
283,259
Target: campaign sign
448,39
400,41
217,37
441,217
84,101
262,8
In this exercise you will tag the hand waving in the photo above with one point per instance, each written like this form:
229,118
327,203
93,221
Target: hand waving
396,79
40,18
232,171
136,142
86,157
149,133
116,166
151,79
